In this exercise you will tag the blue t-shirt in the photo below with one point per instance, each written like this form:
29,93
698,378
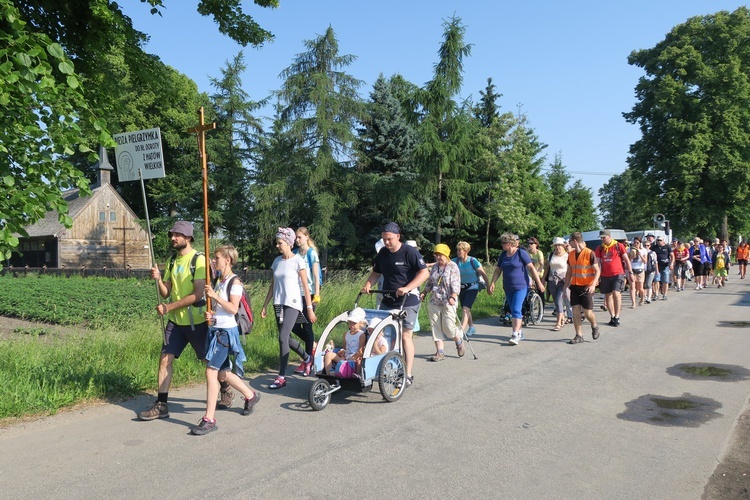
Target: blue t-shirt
515,275
468,270
398,269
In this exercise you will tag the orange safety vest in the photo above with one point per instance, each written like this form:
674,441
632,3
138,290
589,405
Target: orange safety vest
743,252
582,271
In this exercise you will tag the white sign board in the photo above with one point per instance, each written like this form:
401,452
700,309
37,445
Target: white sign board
139,150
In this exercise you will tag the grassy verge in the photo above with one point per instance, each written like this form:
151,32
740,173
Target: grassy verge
115,354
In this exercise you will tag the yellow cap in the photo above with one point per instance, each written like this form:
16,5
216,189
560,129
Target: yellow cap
443,249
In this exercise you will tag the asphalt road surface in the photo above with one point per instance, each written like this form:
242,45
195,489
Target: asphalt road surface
631,415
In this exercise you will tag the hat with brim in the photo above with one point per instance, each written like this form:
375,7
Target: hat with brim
558,241
182,227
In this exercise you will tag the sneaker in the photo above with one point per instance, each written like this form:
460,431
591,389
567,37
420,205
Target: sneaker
225,399
438,356
648,301
204,427
603,307
576,340
612,322
595,332
278,383
698,287
309,367
409,380
250,404
460,349
158,410
663,297
514,338
471,331
617,322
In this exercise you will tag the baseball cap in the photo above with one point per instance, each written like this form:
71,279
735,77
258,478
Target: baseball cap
392,227
659,238
605,232
182,227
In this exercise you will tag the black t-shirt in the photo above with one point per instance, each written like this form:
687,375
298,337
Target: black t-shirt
662,255
398,269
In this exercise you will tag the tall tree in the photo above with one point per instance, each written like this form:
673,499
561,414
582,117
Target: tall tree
385,177
231,152
445,140
693,110
44,108
319,109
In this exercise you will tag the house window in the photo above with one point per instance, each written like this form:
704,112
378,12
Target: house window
112,217
102,216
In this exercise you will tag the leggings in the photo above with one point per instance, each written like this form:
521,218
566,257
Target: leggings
305,331
289,315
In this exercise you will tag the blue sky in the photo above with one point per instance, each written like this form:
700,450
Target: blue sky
564,63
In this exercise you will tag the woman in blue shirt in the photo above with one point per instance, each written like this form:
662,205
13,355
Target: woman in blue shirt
515,265
471,270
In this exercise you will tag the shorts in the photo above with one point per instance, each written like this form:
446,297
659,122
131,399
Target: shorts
680,270
707,268
664,275
468,296
721,273
580,297
177,337
218,357
742,262
611,284
412,312
639,277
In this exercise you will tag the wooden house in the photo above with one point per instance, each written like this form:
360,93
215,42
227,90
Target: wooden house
105,232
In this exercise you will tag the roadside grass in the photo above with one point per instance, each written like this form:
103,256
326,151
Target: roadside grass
116,352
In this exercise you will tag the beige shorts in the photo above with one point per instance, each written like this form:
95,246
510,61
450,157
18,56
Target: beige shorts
443,322
639,277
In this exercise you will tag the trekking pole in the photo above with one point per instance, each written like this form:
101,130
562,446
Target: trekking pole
466,338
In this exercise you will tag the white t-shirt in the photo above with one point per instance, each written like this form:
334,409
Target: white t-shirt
558,266
224,319
352,343
638,264
286,282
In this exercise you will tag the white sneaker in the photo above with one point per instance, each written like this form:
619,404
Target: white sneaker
514,338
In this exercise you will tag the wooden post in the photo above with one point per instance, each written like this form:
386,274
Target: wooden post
200,130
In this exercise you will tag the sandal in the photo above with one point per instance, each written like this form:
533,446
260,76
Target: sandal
278,383
568,321
556,328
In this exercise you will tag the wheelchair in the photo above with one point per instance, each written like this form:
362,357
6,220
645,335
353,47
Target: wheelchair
532,309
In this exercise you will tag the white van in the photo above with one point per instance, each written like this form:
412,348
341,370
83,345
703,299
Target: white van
592,237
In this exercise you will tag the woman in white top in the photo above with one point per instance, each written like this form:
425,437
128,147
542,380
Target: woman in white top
223,340
638,256
557,269
289,274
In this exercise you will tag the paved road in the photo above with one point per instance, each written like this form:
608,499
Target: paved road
541,420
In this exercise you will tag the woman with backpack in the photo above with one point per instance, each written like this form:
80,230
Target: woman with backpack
650,272
223,340
555,270
471,274
307,250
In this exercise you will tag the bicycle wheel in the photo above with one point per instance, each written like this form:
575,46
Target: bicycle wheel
536,308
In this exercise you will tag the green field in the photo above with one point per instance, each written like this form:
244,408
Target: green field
110,345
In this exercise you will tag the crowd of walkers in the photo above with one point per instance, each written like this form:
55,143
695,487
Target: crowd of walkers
645,269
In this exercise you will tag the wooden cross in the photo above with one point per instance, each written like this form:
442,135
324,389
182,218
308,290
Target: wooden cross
124,245
200,130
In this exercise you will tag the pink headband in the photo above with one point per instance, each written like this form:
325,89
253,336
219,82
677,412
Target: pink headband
286,234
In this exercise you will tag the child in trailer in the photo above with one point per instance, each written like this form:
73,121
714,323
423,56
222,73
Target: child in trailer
344,362
380,346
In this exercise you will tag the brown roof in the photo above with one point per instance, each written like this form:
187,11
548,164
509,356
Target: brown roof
49,224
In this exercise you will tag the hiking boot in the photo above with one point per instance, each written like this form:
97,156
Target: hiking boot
225,399
203,427
250,404
595,332
460,349
158,410
438,356
576,340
